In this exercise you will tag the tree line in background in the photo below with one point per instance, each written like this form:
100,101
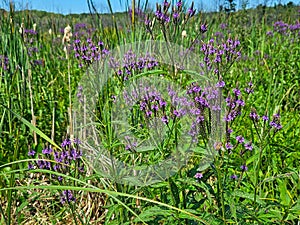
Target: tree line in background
227,6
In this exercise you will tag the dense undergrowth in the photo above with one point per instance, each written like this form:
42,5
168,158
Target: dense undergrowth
212,134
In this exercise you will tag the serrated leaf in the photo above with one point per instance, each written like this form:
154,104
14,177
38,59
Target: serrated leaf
186,216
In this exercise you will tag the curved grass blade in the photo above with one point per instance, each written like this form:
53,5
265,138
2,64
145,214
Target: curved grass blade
33,128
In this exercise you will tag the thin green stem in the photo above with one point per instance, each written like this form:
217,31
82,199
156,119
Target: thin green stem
220,192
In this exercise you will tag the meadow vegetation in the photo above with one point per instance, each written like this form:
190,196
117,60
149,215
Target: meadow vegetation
211,102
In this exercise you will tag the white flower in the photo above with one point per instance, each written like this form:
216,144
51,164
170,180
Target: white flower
183,34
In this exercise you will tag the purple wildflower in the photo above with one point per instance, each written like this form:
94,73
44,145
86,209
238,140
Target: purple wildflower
234,177
65,143
269,33
166,18
216,108
253,115
158,14
176,113
164,119
31,152
223,26
240,102
176,15
131,146
191,12
30,166
248,146
203,28
77,141
276,122
220,84
228,146
179,4
4,62
166,3
244,167
162,103
148,113
196,89
147,22
198,175
237,92
249,89
199,119
231,116
67,196
240,139
277,126
47,151
265,118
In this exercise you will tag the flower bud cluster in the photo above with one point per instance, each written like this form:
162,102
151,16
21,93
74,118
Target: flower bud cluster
218,57
285,28
89,51
166,14
30,40
234,105
4,62
205,100
68,162
131,63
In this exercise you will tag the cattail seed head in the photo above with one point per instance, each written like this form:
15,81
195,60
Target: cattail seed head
21,29
67,35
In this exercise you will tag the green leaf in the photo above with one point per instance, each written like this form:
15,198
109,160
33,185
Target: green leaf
186,216
111,210
242,194
296,208
175,192
284,196
152,213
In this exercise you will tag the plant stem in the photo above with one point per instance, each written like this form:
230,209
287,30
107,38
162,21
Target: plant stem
220,192
257,172
70,99
33,118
